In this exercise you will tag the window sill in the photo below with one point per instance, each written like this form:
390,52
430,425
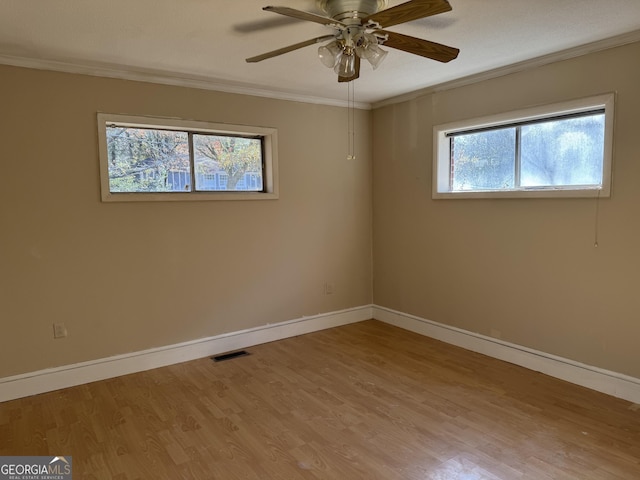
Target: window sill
187,197
525,193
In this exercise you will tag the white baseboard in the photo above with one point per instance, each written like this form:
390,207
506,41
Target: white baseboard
70,375
605,381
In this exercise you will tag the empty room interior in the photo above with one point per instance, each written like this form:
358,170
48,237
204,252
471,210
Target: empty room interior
392,319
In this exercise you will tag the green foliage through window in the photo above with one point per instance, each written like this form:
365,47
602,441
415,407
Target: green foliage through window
158,160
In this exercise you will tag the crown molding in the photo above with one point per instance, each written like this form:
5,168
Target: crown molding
162,77
608,43
124,72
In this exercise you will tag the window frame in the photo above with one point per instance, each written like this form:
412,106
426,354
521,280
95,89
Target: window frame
268,135
442,149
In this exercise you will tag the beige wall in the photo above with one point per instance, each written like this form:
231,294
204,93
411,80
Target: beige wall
526,268
130,276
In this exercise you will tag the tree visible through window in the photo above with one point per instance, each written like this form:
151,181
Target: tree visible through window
483,161
556,153
140,160
169,159
563,152
239,158
152,160
562,149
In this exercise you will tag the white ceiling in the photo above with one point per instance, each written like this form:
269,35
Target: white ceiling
205,42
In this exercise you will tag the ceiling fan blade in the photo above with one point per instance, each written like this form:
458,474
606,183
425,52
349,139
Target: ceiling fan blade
418,46
355,75
309,17
408,11
264,24
290,48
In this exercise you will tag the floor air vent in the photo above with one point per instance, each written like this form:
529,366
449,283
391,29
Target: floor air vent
229,356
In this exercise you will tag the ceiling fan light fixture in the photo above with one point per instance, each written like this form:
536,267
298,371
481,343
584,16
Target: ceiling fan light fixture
364,43
346,66
330,54
376,56
367,47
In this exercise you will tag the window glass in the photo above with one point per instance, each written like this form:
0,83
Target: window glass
227,163
169,159
484,160
563,152
563,149
146,160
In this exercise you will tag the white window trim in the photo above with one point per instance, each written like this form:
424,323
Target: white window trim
270,136
441,152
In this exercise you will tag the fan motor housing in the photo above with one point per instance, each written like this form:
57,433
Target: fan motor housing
346,9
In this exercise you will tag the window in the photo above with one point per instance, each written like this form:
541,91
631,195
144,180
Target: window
558,150
143,158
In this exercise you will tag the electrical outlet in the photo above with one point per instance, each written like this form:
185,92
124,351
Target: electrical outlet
59,330
328,288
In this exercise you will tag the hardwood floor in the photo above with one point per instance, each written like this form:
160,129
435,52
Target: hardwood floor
364,401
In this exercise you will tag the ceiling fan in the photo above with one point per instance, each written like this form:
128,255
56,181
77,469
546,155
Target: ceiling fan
359,33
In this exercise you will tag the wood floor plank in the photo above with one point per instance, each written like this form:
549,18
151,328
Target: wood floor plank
363,401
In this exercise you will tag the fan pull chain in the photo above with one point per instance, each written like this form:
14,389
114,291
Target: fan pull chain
351,133
597,222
